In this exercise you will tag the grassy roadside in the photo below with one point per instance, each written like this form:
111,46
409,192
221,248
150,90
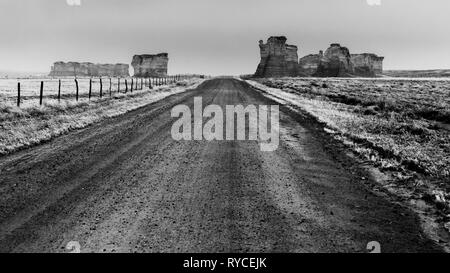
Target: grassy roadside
30,125
400,126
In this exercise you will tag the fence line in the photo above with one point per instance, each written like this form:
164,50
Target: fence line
136,84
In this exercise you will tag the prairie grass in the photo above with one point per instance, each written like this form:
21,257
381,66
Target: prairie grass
32,124
398,124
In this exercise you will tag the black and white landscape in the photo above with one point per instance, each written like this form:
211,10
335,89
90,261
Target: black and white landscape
116,133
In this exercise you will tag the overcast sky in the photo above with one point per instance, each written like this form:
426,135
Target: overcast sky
219,36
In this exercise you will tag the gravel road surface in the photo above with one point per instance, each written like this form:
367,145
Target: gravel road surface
124,185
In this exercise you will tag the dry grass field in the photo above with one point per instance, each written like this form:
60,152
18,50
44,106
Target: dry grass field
31,124
30,88
400,125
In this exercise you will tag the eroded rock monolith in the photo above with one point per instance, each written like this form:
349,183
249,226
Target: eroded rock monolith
150,65
278,59
308,65
336,62
367,64
86,69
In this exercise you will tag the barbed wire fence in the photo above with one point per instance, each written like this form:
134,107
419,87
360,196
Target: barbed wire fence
40,90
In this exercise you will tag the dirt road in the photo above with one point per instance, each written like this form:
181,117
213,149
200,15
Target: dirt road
124,185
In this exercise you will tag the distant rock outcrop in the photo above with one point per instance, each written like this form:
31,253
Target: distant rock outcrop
308,65
278,59
336,62
367,64
74,69
150,65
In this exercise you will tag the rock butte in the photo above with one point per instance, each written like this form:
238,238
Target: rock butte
279,59
336,62
150,65
307,66
367,64
74,69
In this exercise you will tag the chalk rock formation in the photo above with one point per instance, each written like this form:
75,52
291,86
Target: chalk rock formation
278,59
309,64
336,62
367,64
150,65
74,69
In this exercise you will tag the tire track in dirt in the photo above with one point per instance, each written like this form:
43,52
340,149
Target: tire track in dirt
124,185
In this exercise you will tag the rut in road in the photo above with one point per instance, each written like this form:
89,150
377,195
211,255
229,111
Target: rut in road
125,185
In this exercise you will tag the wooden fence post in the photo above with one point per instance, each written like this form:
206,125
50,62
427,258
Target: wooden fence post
118,85
18,94
90,88
110,86
132,85
101,88
76,84
41,93
142,83
59,91
126,86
